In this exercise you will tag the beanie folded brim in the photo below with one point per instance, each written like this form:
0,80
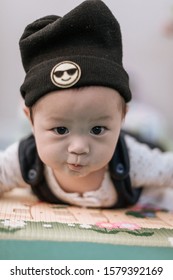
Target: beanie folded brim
94,70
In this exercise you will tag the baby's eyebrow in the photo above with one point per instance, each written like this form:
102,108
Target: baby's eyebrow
67,120
57,119
102,118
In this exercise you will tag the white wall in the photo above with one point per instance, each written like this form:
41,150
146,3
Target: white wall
148,55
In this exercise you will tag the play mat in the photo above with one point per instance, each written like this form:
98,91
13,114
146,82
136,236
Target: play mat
23,218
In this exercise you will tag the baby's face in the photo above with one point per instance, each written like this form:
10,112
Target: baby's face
76,130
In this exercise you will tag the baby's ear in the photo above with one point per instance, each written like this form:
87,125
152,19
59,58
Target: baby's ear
126,109
27,112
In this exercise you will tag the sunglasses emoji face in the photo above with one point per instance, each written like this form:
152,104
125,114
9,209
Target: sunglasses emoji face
65,74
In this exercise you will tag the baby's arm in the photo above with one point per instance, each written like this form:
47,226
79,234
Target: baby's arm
10,175
149,167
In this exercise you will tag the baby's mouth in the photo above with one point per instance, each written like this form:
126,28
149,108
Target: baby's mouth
75,166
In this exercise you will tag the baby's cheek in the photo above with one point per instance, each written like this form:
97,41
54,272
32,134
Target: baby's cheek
103,155
43,154
51,156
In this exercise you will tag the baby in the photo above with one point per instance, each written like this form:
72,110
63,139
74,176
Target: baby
76,93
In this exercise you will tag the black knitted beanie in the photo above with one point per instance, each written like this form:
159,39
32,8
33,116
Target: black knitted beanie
82,48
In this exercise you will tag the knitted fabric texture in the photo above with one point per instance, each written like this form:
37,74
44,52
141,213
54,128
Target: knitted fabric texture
82,48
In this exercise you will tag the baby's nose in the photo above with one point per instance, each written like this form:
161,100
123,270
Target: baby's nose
78,147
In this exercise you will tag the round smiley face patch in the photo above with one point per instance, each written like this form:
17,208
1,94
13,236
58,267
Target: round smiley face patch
65,74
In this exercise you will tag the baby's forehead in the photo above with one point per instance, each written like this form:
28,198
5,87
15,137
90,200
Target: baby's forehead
96,95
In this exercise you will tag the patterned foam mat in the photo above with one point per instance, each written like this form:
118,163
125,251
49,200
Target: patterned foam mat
23,217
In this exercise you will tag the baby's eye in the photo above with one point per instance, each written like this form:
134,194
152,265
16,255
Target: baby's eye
97,130
61,130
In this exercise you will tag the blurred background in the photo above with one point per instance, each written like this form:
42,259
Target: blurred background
147,31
